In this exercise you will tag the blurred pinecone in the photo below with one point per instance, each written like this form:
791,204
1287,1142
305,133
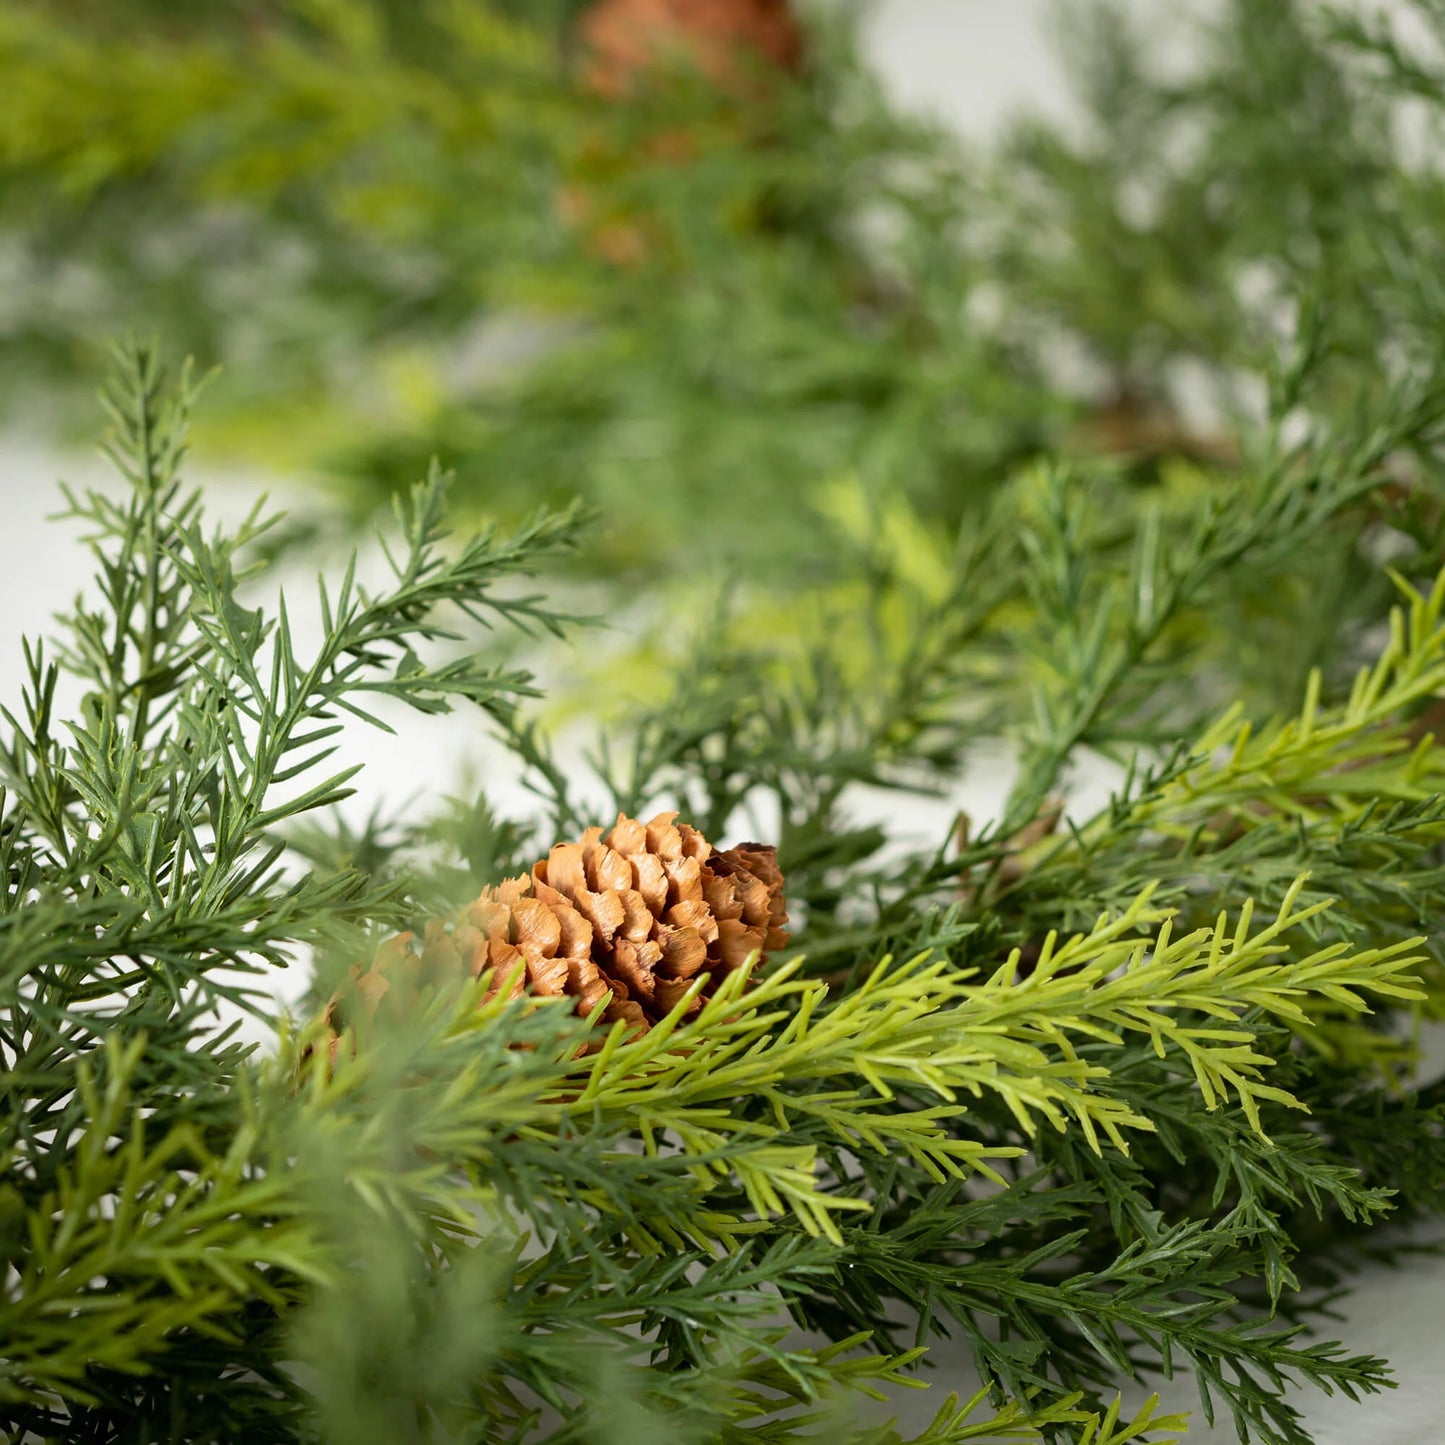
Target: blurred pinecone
624,39
638,913
733,44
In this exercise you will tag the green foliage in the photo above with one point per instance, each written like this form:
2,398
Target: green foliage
1082,1153
1101,1094
815,288
432,189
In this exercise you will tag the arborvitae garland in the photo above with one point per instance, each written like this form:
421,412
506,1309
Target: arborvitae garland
1053,1100
1037,1083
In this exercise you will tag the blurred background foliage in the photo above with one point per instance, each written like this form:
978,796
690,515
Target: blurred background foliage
692,264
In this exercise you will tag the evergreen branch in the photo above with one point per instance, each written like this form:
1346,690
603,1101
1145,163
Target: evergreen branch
178,1250
921,1027
1016,1422
1218,973
1358,754
957,1421
1096,639
1349,791
1171,1294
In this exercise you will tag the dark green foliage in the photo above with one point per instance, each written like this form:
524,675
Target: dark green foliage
434,190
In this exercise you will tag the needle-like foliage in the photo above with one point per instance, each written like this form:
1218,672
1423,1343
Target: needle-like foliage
1105,1102
1110,1093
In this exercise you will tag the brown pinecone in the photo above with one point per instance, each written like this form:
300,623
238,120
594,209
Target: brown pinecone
625,39
734,44
638,913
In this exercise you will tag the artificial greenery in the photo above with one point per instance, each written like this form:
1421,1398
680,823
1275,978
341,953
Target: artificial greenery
392,226
1108,1101
1105,1094
844,336
384,220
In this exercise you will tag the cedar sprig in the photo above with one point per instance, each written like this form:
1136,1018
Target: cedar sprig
536,1204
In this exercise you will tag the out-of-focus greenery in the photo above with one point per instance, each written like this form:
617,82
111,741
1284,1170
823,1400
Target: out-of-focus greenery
367,218
1034,1090
408,231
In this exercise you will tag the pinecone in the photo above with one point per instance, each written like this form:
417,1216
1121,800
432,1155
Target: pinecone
624,39
734,44
637,914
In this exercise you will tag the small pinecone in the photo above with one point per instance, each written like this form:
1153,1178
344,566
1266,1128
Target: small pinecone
622,44
624,39
638,913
